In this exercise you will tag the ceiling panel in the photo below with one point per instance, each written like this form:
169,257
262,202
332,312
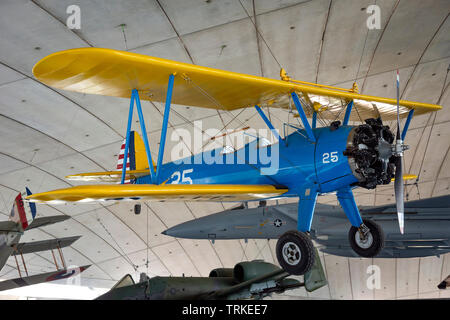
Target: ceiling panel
28,144
337,62
229,47
408,33
32,34
189,16
175,258
297,49
57,117
101,22
338,277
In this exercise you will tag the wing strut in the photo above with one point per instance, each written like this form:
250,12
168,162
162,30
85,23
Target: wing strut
162,141
306,204
314,119
347,201
269,124
302,114
348,110
408,120
135,98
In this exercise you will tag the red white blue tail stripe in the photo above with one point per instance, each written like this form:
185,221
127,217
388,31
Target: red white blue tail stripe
22,213
130,159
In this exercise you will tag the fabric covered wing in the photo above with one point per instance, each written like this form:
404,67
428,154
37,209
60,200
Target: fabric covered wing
115,73
29,247
168,192
40,278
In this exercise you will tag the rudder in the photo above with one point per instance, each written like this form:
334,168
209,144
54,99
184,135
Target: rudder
21,213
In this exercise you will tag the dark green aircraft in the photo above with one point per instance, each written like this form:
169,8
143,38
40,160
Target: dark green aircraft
247,280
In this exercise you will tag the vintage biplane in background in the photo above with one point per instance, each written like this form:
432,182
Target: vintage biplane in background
21,219
311,161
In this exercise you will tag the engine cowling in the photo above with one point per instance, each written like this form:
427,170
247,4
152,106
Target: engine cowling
370,155
221,272
247,270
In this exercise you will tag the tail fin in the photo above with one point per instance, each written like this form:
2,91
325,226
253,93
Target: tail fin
22,213
136,158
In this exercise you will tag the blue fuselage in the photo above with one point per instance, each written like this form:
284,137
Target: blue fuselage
297,164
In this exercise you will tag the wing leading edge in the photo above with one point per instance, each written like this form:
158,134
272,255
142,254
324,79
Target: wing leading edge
168,192
115,73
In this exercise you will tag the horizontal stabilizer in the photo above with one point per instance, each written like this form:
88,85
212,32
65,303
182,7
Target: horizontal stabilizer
45,221
29,247
150,192
40,278
108,176
8,226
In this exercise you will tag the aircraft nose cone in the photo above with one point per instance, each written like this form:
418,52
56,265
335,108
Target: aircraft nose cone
176,231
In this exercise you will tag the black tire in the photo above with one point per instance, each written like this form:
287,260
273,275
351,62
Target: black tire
377,240
296,240
137,209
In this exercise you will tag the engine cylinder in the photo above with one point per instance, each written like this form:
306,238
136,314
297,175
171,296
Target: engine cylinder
369,152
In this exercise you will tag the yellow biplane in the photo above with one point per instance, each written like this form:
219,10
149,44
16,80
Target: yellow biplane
306,163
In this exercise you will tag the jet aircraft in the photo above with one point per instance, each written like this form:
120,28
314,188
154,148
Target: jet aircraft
247,280
428,232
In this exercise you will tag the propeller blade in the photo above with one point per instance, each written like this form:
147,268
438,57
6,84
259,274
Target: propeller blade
398,106
398,186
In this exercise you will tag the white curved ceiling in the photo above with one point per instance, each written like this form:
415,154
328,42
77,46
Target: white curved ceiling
47,134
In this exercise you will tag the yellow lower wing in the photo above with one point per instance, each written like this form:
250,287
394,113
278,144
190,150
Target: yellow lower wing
148,192
108,176
407,177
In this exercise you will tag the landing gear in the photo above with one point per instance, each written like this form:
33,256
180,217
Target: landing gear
367,240
295,252
137,208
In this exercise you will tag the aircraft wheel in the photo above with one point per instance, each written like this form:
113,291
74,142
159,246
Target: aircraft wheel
295,252
370,245
137,209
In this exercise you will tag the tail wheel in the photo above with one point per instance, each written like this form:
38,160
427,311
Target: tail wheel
369,244
295,252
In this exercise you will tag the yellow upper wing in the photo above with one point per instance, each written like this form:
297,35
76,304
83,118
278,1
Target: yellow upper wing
115,73
149,192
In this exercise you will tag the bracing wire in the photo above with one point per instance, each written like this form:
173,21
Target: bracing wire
444,88
124,255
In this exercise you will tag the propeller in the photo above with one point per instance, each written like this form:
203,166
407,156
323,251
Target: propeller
398,152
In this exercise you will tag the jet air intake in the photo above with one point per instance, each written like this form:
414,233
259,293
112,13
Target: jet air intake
221,272
251,269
